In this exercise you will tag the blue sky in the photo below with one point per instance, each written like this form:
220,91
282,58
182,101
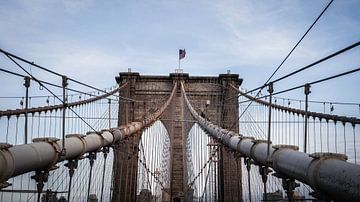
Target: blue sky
94,40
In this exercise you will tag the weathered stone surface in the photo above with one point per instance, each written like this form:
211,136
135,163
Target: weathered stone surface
153,91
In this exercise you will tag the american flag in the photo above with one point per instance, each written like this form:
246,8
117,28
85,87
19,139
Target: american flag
182,53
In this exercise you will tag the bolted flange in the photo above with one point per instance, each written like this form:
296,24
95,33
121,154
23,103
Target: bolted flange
328,155
285,146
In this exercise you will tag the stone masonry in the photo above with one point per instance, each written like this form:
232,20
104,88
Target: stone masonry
151,92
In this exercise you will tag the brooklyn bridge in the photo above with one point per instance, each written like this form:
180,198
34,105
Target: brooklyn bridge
175,138
179,136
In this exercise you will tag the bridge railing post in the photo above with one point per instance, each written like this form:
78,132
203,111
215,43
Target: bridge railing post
109,102
270,90
307,92
64,85
27,85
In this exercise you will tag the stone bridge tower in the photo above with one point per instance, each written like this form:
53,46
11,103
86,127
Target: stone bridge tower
153,91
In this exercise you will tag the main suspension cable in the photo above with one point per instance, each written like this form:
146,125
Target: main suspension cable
42,85
50,84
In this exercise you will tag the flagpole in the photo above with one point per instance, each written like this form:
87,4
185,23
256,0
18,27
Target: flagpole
179,62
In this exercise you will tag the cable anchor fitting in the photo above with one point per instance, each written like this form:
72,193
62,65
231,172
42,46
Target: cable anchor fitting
271,88
289,185
307,89
41,177
27,81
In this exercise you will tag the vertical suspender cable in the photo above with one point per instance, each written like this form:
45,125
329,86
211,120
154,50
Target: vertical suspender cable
109,102
105,151
91,157
271,90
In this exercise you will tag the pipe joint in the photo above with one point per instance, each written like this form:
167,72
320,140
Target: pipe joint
328,155
255,155
317,174
101,138
82,140
117,134
57,148
7,167
285,146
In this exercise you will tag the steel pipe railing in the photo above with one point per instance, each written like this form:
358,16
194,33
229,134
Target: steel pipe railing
17,112
327,173
45,153
335,118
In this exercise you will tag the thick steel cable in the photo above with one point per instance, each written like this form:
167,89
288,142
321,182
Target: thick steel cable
10,55
115,135
51,84
315,170
42,85
320,102
288,55
302,112
17,112
310,65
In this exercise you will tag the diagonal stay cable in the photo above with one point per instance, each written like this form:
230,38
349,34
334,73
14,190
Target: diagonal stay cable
296,45
351,120
309,65
10,55
303,68
320,80
292,50
311,83
50,84
42,85
319,61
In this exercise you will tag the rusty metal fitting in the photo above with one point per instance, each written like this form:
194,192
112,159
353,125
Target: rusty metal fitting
285,146
247,137
328,155
307,89
105,151
41,177
7,166
4,184
289,186
27,81
248,164
264,171
92,158
5,146
64,81
53,142
259,141
271,88
72,165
